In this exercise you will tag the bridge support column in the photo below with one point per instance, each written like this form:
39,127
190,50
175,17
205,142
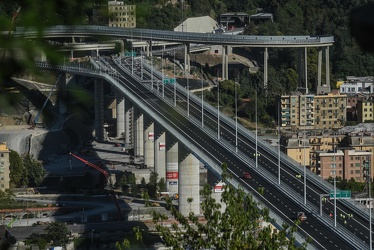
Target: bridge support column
99,109
129,124
172,169
43,56
160,156
71,54
120,113
327,51
122,44
319,74
139,136
149,43
324,87
266,70
62,94
187,66
225,62
189,177
306,69
149,146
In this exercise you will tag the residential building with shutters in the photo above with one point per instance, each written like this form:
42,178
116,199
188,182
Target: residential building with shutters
343,162
4,167
365,110
115,14
297,111
330,111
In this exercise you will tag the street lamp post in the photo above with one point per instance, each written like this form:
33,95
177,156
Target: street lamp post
367,169
279,143
202,103
162,73
371,204
304,168
334,180
175,84
151,66
256,152
236,121
218,127
188,96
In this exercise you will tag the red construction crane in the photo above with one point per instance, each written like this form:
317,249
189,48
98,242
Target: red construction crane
105,173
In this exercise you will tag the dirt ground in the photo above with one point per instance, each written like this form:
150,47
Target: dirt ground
5,120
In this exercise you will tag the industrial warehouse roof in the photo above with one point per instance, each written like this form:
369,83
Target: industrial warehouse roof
204,24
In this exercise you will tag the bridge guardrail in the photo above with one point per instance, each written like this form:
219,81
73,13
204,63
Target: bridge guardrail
164,35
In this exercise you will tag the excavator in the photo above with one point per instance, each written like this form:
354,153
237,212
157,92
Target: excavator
107,178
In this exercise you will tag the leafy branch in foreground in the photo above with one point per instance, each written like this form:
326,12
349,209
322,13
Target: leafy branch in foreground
239,223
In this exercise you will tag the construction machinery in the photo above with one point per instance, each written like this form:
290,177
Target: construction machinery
107,178
34,123
9,225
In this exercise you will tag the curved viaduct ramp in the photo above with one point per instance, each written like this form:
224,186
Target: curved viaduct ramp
182,37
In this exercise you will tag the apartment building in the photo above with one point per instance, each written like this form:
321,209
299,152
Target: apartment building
343,162
297,147
322,142
365,110
359,141
115,14
297,111
330,111
4,167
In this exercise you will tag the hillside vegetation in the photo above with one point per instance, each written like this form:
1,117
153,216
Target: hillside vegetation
291,17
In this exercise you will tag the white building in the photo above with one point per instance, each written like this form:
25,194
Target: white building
204,24
355,85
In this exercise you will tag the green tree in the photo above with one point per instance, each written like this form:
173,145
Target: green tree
17,170
124,245
57,233
153,178
36,239
142,183
34,169
238,226
133,185
161,185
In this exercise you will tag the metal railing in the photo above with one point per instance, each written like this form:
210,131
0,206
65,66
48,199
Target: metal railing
182,37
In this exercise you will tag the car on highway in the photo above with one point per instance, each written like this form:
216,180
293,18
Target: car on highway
301,216
246,175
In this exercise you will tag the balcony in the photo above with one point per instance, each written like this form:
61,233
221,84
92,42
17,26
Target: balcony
315,142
